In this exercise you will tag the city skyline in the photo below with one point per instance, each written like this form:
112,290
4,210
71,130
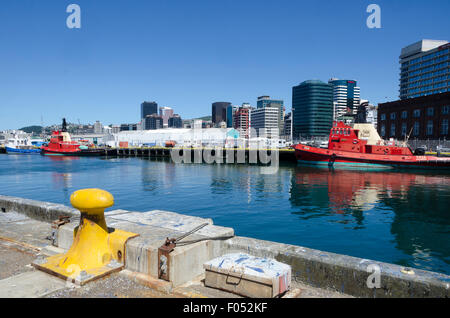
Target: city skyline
119,58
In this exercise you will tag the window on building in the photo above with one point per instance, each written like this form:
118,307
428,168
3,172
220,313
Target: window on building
393,116
430,111
404,114
416,113
416,128
383,116
445,110
444,127
392,129
430,127
383,130
404,129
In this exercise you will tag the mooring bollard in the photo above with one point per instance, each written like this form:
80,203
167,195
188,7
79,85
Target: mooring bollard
96,250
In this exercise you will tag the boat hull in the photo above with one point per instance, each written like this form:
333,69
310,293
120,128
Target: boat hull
11,150
79,153
306,155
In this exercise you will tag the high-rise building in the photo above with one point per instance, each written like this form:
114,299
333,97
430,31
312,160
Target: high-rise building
148,108
287,125
242,119
265,121
98,127
312,104
230,115
219,112
424,68
153,121
165,113
175,121
346,97
266,101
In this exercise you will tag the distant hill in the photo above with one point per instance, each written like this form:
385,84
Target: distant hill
32,129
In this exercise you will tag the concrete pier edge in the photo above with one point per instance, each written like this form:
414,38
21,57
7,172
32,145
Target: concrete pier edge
332,271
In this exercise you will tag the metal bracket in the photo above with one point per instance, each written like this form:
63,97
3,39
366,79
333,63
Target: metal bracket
55,226
164,258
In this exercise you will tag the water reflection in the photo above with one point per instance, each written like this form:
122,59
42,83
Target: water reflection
414,205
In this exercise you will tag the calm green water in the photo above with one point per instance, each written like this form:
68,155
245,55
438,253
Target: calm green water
401,218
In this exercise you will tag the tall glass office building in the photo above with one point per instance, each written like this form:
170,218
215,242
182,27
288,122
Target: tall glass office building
312,104
148,108
219,112
424,69
346,97
266,101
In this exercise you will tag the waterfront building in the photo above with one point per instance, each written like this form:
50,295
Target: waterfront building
230,115
266,121
312,104
266,101
165,113
148,108
287,126
425,117
128,127
175,121
424,68
219,112
153,121
182,136
115,129
242,119
98,127
346,97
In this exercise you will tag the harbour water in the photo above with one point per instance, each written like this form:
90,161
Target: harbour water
395,217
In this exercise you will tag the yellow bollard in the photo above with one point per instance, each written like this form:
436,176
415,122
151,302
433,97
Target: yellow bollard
96,250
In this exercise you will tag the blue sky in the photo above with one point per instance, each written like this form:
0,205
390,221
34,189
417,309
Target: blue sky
188,54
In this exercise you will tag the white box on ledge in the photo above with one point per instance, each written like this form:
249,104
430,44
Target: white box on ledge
248,275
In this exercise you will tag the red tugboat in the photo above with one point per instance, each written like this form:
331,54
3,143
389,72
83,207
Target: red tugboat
61,145
360,146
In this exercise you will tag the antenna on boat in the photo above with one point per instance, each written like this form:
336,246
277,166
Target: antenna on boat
64,125
409,135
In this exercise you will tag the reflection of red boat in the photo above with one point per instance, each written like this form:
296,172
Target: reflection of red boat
61,145
360,146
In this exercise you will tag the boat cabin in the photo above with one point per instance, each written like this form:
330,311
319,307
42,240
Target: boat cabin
363,138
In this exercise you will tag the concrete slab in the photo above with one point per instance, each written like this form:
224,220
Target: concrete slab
32,284
164,219
8,217
25,230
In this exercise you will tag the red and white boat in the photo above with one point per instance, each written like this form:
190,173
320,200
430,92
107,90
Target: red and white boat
61,145
360,146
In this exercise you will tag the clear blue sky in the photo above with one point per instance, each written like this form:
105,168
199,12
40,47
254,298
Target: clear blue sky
188,54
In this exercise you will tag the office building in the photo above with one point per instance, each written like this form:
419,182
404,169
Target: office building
265,121
346,97
242,119
287,126
165,113
425,117
128,127
148,108
98,127
219,112
266,101
153,121
312,104
175,121
424,69
230,115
